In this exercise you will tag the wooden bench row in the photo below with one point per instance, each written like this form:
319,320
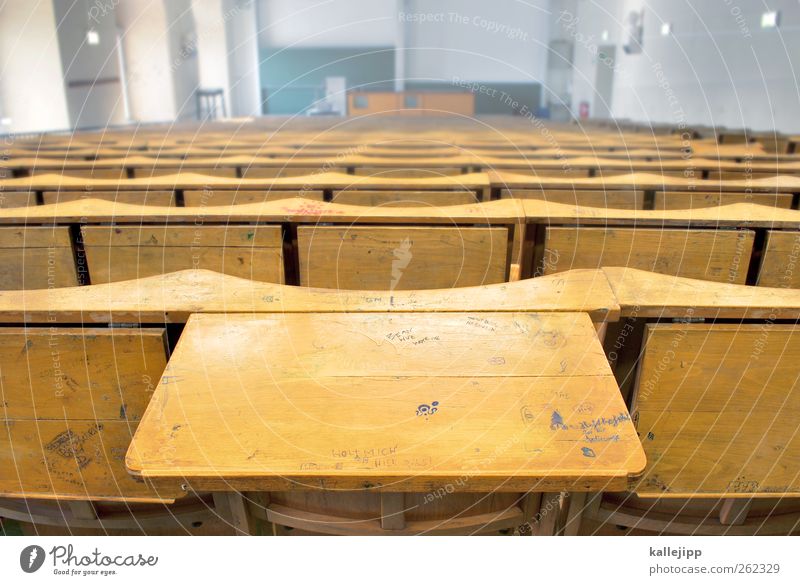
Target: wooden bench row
411,165
720,460
349,247
629,191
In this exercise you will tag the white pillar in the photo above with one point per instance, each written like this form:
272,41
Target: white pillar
212,49
243,59
145,43
31,81
183,56
401,42
92,77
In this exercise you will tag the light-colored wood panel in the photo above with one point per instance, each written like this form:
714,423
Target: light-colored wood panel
741,175
714,405
589,198
36,258
311,346
165,198
692,200
127,252
646,181
779,262
339,426
442,103
91,173
646,294
77,459
228,173
211,197
539,171
173,297
716,255
34,237
10,199
77,373
408,172
287,171
404,198
610,173
401,258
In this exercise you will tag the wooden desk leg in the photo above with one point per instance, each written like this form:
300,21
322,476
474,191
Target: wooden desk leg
734,511
393,507
546,519
576,502
591,509
531,502
232,506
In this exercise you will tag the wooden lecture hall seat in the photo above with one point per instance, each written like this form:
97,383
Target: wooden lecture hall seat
393,327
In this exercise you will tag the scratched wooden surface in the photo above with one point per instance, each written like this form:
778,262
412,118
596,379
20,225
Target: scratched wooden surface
779,263
284,210
75,373
188,179
717,407
126,252
173,297
620,199
72,398
646,294
160,198
71,460
212,197
646,181
403,198
276,161
113,174
286,169
16,199
140,173
401,258
36,258
716,255
406,172
352,401
604,294
691,200
293,209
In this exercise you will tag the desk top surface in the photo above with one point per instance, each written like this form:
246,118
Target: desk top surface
411,402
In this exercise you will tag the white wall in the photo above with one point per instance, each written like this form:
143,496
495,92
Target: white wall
502,41
327,23
31,87
719,67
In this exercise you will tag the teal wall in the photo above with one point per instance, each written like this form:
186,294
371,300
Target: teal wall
523,93
287,74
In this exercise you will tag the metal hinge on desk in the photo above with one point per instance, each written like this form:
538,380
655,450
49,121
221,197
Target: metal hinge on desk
688,320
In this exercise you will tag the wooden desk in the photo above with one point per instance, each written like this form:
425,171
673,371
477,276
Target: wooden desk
467,402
